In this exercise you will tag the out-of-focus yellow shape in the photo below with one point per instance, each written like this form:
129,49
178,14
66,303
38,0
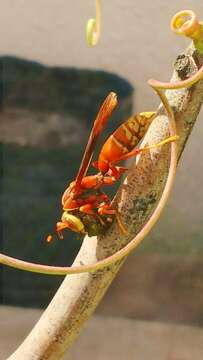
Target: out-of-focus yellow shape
93,27
185,23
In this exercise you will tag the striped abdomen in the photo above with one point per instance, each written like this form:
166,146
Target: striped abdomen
124,139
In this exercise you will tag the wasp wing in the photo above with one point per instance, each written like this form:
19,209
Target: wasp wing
104,113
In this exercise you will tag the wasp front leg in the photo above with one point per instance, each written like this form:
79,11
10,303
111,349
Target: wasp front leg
95,182
91,209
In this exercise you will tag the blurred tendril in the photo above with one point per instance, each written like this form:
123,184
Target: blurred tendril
185,23
93,27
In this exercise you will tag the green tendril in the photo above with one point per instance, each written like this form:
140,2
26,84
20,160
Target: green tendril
185,23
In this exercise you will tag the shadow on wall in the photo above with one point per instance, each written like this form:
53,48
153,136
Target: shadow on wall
158,287
46,115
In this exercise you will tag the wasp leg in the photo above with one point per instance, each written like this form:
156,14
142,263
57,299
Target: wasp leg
49,238
59,227
116,171
138,151
87,209
107,210
91,209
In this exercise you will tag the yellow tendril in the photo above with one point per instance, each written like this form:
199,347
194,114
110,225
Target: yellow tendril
93,27
185,23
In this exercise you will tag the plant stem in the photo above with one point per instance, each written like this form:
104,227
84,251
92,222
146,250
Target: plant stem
79,295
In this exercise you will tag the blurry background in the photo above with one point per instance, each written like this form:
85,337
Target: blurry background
163,281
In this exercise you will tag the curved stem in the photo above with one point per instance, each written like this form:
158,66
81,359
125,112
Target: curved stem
179,84
57,270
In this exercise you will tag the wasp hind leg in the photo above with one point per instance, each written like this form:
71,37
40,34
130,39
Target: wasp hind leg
138,151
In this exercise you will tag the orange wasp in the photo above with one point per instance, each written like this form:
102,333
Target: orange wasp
86,208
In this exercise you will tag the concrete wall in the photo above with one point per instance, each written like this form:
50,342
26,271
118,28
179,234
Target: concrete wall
136,43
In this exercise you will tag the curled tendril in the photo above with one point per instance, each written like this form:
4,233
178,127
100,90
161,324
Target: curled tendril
185,23
57,270
158,86
93,27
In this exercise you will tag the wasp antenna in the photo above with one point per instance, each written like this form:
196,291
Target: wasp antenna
58,234
49,238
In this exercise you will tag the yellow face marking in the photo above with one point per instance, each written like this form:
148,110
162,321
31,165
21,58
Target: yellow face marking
73,222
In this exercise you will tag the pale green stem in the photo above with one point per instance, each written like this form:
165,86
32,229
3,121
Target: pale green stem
179,84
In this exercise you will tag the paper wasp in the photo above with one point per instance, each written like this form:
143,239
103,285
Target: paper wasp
86,208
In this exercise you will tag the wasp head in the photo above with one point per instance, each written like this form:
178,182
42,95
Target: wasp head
69,221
